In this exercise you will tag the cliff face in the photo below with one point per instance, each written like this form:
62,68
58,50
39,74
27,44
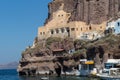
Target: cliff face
48,57
52,56
89,11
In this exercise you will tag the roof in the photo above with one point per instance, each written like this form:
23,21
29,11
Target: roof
56,50
113,61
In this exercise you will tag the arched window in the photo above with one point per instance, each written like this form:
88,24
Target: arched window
68,30
43,33
90,28
40,33
52,32
57,31
81,29
62,30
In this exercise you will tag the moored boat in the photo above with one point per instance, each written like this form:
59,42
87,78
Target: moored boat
111,70
113,74
44,78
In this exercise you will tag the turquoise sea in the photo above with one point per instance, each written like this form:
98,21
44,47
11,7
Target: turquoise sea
11,74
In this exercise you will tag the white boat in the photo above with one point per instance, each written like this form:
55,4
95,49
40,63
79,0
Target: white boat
113,74
111,70
44,78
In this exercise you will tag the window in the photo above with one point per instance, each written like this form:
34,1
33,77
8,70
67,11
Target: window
62,30
68,30
90,28
72,29
40,33
76,29
118,24
52,32
43,33
68,14
57,31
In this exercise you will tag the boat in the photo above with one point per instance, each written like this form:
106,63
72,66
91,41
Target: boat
113,73
111,70
44,78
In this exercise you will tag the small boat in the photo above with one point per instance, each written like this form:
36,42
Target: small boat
111,70
44,78
112,74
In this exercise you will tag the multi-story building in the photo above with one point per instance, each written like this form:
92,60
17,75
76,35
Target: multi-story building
59,26
78,19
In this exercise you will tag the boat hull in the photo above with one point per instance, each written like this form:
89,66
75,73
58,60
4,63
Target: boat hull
107,77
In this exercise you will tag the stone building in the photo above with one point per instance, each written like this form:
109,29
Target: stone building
78,19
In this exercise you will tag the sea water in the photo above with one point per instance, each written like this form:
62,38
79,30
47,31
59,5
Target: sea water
11,74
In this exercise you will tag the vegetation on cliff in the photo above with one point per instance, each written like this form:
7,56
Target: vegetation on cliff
109,43
67,52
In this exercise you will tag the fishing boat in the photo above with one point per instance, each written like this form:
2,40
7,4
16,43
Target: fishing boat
111,70
113,73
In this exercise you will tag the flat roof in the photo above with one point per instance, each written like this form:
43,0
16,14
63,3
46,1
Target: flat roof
113,61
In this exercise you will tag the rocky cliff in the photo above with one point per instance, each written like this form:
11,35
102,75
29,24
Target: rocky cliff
89,11
48,57
55,54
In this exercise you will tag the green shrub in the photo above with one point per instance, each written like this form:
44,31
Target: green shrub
52,39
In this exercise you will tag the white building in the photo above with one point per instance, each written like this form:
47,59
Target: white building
114,25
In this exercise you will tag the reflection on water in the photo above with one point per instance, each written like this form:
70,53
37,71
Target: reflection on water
58,78
11,74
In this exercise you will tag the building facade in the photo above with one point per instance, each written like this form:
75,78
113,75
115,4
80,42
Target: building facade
114,25
60,27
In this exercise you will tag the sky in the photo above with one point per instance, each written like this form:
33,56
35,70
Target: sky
19,22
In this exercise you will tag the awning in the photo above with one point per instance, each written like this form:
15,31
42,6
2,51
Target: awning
89,62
